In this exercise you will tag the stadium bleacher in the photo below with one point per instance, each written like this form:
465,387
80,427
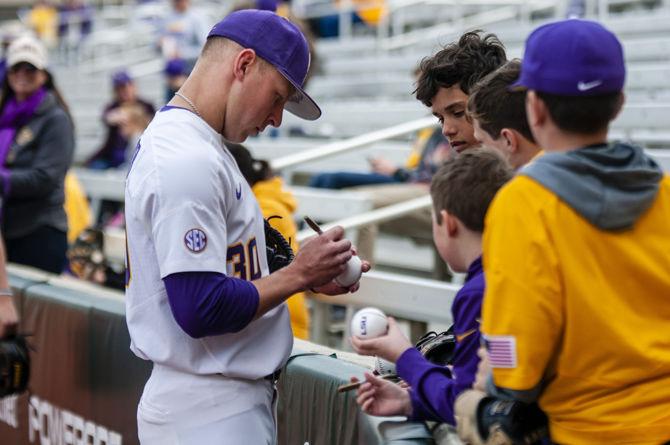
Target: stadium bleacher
363,86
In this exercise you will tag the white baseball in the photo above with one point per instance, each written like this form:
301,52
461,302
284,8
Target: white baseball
384,367
369,322
352,273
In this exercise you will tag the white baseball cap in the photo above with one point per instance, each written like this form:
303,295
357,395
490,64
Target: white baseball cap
27,49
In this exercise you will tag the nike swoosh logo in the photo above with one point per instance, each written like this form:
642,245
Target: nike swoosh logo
238,193
585,86
459,338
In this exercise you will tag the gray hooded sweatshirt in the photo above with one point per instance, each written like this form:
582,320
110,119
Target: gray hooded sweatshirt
611,186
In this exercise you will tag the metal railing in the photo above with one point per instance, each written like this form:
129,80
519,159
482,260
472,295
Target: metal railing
339,147
376,216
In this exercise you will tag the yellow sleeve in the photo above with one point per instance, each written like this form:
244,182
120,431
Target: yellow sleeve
522,309
76,207
371,12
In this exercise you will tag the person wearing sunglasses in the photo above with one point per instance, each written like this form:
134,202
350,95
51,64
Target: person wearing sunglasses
36,150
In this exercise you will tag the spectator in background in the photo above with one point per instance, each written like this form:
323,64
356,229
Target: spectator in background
277,205
134,120
176,74
113,152
75,24
183,33
431,149
36,149
43,20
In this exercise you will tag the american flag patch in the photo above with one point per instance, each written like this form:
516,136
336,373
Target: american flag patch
502,350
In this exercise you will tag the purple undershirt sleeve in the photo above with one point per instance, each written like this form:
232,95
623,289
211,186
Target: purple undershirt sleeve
210,303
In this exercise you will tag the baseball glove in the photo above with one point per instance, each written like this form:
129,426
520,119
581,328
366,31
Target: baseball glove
438,348
14,365
490,421
86,254
278,250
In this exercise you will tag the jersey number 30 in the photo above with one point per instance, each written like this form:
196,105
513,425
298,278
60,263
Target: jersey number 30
243,257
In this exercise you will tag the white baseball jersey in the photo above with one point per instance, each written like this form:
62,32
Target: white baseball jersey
188,208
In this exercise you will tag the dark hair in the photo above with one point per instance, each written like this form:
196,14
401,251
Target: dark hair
465,185
462,63
582,114
495,107
6,93
253,170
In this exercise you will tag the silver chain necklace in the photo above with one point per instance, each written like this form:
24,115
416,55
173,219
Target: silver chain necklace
190,104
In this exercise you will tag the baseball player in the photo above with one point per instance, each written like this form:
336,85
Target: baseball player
576,249
200,303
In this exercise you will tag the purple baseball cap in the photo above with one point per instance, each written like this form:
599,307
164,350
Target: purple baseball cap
573,58
120,78
176,67
280,43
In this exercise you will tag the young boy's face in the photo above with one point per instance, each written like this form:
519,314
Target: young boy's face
449,105
485,139
445,243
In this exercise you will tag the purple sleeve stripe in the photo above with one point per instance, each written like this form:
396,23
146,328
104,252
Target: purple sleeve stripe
210,303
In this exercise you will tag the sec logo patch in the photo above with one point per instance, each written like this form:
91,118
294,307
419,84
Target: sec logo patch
195,240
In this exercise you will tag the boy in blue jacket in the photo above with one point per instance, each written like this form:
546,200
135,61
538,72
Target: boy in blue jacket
457,231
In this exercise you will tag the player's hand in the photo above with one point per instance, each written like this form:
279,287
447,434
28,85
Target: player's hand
382,166
333,288
389,346
321,258
379,397
483,370
9,318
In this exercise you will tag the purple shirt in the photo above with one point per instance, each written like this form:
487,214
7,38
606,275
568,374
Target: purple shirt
434,389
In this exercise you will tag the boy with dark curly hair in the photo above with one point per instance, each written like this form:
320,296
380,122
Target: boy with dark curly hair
444,86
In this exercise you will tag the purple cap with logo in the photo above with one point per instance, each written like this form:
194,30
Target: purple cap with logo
280,43
573,58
